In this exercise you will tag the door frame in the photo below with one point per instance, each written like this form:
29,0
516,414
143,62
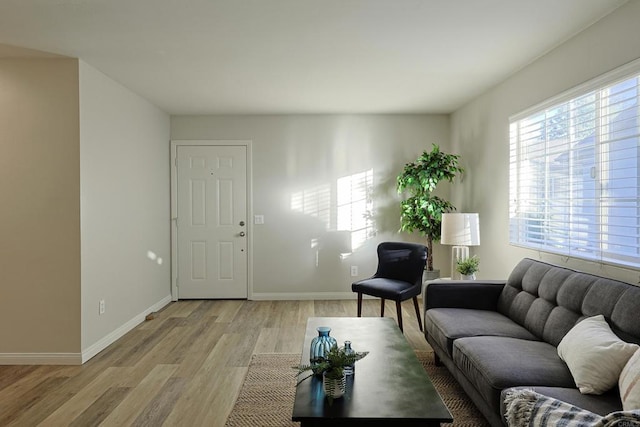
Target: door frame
174,207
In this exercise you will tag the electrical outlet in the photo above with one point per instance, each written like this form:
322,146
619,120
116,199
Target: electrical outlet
102,307
354,270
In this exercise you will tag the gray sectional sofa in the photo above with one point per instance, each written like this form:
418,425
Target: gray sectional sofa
493,335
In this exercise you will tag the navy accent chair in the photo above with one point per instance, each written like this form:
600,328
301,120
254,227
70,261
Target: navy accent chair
399,277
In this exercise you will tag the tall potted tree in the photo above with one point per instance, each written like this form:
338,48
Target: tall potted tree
421,210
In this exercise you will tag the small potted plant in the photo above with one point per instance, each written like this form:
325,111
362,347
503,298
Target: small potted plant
332,369
468,267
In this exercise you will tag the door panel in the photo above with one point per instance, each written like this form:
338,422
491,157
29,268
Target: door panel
211,206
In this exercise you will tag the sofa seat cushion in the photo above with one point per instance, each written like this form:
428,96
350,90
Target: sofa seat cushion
495,363
445,325
598,404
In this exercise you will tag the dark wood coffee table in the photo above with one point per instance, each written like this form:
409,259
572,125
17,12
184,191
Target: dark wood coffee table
390,386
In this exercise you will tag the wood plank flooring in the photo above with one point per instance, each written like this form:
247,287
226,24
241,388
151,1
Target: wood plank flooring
183,368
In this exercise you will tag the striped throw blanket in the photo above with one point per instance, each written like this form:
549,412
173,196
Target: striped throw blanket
526,408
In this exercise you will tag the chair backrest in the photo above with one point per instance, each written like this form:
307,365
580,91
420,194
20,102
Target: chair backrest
402,261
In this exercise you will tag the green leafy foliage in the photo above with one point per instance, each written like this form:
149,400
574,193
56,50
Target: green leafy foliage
422,211
333,364
468,266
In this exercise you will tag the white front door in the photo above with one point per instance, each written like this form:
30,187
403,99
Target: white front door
212,221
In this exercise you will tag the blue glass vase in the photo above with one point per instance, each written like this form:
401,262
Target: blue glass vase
321,345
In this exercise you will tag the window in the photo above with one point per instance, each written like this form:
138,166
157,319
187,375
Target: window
575,172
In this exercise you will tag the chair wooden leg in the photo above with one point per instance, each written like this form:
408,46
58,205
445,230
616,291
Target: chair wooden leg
359,304
415,304
382,307
399,311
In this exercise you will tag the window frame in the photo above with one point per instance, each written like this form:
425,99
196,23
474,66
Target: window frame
517,165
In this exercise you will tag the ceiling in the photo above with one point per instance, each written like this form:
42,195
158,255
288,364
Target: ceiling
299,56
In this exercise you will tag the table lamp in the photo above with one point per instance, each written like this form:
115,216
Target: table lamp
460,230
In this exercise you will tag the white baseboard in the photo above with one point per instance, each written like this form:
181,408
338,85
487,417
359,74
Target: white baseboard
279,296
122,330
80,358
40,359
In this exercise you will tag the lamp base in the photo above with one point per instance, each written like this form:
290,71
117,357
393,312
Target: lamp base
458,253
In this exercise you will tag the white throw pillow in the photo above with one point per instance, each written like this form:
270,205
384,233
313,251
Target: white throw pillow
629,383
595,355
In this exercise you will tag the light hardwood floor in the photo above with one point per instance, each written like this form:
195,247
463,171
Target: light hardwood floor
183,368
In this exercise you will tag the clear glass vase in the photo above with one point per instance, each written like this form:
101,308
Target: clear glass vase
321,345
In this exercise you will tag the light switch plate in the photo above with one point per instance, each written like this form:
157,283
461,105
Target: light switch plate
258,219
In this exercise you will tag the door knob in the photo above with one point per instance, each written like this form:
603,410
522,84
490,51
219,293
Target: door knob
241,223
242,234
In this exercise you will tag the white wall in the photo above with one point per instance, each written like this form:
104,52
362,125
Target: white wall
480,132
39,211
294,153
124,188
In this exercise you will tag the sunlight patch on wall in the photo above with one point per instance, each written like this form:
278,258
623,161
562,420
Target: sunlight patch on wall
355,206
345,205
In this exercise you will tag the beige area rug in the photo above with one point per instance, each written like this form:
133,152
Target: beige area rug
266,398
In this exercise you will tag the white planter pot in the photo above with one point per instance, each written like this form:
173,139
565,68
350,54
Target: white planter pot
468,276
334,388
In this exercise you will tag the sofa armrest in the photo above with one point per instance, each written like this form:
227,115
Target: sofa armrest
475,294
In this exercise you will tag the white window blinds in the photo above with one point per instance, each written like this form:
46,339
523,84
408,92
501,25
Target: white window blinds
575,172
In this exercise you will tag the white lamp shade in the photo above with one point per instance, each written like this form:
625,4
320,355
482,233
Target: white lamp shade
460,229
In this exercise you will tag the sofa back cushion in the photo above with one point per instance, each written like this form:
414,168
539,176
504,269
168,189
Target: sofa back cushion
549,300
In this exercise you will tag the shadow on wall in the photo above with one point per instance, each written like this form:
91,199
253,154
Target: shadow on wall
386,217
469,195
